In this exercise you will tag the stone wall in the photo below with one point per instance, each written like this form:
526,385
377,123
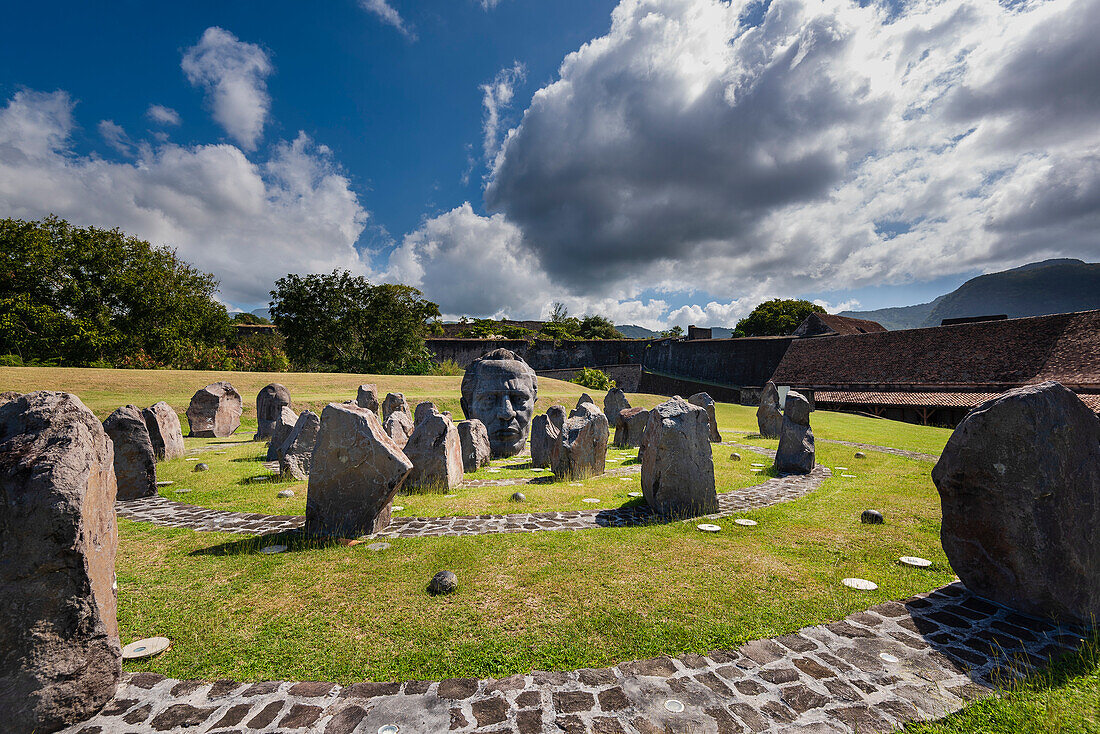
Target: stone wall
626,376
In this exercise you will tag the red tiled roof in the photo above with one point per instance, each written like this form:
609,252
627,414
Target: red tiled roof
924,399
991,354
822,324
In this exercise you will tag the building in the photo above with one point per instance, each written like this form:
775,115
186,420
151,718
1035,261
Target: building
825,324
936,375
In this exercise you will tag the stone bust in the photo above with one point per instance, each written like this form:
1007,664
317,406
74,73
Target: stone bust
499,389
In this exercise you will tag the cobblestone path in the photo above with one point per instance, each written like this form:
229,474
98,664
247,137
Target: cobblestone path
873,671
863,446
162,511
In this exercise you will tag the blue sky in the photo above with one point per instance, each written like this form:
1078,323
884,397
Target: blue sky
660,161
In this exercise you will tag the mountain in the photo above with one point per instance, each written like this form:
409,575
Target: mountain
1035,289
630,331
262,313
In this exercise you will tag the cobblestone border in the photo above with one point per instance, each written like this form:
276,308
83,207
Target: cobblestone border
162,511
873,671
864,446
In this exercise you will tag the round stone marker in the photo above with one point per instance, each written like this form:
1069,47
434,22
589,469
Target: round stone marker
735,456
449,496
871,517
590,499
756,464
575,484
848,476
633,494
388,729
397,508
192,458
268,550
493,469
145,648
860,584
283,494
916,561
165,483
201,466
518,496
182,491
378,546
842,468
707,527
443,582
861,455
745,521
676,707
626,479
887,657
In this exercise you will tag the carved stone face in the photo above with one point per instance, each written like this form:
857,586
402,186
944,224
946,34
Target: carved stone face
503,398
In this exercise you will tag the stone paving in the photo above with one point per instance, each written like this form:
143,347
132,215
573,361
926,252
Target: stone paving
862,446
162,511
873,671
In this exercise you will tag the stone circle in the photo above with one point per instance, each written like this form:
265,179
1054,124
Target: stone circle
916,562
707,527
145,648
860,584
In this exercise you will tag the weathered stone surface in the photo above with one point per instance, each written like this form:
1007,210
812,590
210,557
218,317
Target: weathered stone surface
443,582
1019,483
296,453
367,397
135,463
769,419
474,442
423,410
795,454
395,402
270,402
500,390
399,426
581,450
545,432
9,395
215,411
280,433
436,454
355,472
60,659
871,517
706,402
614,402
630,426
165,431
677,468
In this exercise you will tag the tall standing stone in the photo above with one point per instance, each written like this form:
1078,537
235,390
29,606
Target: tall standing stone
215,411
1019,484
706,402
367,397
677,467
436,454
423,410
296,453
270,402
795,454
135,463
164,431
581,450
545,432
395,401
630,427
613,403
284,426
474,440
399,426
356,471
60,659
585,410
769,419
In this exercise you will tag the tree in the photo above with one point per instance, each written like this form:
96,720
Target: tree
777,317
675,332
81,296
558,313
244,317
341,322
598,327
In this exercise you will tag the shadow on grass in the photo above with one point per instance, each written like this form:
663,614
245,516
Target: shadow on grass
294,540
258,458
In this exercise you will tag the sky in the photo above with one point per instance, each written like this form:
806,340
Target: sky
661,162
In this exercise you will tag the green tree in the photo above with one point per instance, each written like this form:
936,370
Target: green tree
80,296
598,327
777,317
341,322
244,317
674,333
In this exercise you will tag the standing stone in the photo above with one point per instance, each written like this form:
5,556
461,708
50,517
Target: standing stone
584,398
768,416
9,395
586,410
545,432
367,397
581,451
614,402
164,431
706,402
423,410
270,402
795,454
474,440
135,463
281,432
297,451
355,472
395,402
436,454
630,427
1019,484
60,659
215,411
677,467
399,426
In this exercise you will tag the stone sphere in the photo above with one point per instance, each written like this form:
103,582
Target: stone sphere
735,456
871,517
443,582
861,455
201,467
518,497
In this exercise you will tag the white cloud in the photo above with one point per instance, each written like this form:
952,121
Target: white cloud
248,223
113,134
163,115
496,99
489,4
233,74
388,15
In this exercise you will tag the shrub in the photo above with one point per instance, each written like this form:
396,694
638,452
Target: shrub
446,368
593,379
11,360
